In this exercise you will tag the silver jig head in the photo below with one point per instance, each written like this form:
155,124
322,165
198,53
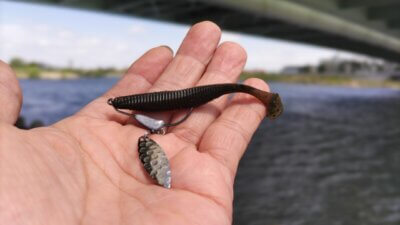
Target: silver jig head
158,126
152,124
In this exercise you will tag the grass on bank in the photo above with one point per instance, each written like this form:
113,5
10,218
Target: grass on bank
33,70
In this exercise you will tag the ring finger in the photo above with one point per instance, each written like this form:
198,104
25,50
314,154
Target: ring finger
225,67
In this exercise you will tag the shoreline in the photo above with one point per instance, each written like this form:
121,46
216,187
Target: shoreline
311,79
58,75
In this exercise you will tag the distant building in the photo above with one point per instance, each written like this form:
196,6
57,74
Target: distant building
289,70
395,76
337,66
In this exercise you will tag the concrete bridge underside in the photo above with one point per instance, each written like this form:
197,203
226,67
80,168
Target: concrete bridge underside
370,27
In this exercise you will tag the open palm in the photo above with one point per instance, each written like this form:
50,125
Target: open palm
85,169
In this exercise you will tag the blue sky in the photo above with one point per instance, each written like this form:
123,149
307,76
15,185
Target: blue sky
64,36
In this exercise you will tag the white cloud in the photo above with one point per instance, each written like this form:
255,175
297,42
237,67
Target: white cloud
230,36
273,55
59,46
65,34
12,34
43,28
137,29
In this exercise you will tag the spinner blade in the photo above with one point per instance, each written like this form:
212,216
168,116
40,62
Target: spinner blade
155,161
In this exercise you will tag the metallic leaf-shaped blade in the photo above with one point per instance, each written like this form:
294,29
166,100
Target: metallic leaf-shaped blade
155,161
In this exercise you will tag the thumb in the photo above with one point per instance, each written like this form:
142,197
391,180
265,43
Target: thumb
10,95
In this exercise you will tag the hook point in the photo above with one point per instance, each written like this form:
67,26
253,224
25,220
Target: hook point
110,101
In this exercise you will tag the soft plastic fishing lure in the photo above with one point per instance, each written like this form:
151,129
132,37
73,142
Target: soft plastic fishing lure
193,97
151,154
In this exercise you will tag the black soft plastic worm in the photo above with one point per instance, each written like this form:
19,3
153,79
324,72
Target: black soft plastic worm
193,97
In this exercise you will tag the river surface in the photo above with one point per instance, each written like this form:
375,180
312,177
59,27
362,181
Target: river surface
332,158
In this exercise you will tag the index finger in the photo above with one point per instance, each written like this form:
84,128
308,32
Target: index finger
138,79
10,94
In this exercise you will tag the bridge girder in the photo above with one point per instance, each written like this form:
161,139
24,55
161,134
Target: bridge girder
368,27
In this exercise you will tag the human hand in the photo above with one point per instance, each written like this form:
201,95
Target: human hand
85,169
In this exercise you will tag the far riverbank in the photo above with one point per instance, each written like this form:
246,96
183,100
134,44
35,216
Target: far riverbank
322,79
34,70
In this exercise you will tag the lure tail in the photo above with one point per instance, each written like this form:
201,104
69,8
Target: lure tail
271,100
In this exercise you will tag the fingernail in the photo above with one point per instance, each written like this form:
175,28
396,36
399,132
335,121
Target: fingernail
169,48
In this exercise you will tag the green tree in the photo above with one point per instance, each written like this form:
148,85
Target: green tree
33,73
17,63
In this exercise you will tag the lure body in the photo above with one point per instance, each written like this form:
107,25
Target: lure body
154,161
193,97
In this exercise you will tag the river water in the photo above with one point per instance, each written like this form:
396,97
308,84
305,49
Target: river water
332,158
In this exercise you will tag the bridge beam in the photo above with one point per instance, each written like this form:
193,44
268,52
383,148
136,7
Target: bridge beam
367,27
394,24
294,13
347,4
383,12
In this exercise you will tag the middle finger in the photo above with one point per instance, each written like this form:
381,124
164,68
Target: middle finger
190,62
191,59
225,67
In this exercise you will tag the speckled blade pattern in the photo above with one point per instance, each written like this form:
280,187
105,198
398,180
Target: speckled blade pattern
155,161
